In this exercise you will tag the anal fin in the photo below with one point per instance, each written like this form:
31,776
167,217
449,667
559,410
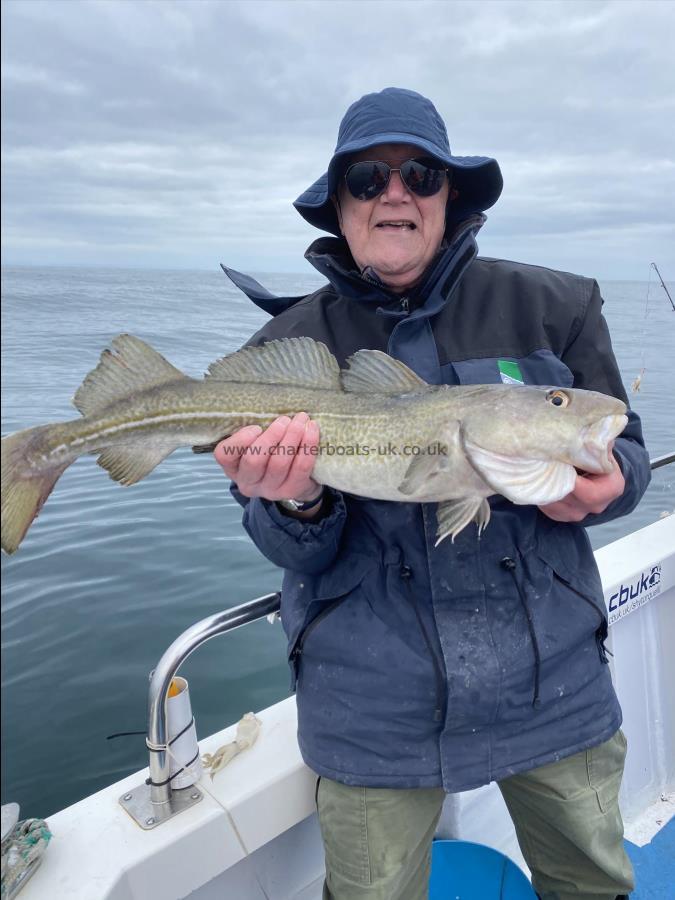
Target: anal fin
129,463
454,515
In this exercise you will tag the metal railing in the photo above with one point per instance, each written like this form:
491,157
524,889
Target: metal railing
175,656
178,652
153,802
659,461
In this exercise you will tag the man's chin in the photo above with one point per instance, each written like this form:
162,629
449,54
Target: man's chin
399,275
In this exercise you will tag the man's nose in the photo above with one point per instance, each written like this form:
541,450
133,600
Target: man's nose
396,189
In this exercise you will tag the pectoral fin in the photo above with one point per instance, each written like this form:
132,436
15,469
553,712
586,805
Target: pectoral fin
420,474
433,462
454,515
521,480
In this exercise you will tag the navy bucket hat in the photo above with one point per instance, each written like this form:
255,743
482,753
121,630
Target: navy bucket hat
398,116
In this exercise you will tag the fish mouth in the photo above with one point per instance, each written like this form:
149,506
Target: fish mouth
594,451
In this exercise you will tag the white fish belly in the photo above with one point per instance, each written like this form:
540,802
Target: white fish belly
379,475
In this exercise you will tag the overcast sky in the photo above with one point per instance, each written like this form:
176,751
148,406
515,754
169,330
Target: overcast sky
150,133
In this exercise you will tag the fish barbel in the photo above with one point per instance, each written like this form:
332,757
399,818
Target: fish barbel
385,433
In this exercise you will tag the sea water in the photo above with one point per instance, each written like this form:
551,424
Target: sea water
109,576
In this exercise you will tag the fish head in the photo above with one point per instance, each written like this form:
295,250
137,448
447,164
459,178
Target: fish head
528,442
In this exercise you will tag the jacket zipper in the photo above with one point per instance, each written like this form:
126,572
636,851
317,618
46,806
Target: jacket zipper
509,565
406,572
602,630
296,652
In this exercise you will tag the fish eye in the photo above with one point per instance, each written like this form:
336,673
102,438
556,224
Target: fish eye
558,398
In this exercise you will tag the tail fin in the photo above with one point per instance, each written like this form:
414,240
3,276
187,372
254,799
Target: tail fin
24,487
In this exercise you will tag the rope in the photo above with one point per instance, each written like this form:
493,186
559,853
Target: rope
21,854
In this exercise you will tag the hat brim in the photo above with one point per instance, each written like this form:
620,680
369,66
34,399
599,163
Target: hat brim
477,179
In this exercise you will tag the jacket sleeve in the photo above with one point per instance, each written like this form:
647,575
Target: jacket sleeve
591,359
296,544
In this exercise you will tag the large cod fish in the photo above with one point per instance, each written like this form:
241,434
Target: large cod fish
385,433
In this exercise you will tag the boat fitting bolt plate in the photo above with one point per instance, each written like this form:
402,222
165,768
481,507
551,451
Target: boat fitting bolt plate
149,815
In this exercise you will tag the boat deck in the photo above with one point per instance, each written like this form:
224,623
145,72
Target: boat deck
654,861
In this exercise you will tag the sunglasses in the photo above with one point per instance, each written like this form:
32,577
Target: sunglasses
424,177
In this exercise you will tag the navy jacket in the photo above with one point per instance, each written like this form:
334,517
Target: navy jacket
418,666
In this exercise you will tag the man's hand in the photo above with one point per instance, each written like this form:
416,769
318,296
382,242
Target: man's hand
592,494
275,464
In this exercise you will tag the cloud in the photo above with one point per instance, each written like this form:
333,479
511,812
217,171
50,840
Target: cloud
18,74
163,133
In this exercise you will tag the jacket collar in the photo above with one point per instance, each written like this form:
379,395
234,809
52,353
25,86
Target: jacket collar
332,258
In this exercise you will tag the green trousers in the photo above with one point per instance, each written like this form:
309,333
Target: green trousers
566,814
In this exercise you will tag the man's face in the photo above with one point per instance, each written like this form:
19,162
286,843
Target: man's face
398,253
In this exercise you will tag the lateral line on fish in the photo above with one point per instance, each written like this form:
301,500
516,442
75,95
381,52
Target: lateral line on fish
167,418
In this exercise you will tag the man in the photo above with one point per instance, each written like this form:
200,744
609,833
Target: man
423,669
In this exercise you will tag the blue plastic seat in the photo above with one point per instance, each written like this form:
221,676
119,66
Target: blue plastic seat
461,870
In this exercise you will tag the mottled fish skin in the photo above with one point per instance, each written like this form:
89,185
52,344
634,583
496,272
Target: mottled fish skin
385,434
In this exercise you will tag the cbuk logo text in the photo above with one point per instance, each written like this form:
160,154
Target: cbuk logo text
642,589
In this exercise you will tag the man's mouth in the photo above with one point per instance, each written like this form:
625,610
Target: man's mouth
397,224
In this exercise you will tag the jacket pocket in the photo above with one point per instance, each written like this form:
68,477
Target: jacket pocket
330,590
602,630
587,590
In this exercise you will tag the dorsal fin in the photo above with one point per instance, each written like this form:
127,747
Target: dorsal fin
372,371
300,361
131,365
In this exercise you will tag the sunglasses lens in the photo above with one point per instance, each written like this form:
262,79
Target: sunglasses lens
366,180
424,177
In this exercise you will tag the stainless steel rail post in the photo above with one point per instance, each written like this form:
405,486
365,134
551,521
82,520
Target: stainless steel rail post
151,804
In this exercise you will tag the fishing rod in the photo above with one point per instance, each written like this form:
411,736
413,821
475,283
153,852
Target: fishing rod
663,285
